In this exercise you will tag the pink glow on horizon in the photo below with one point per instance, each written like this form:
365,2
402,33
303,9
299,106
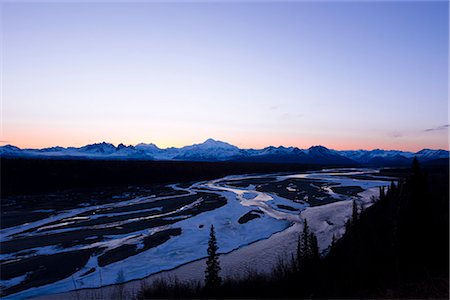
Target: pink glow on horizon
52,136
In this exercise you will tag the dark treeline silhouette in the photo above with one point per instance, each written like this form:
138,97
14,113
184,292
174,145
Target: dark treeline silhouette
25,176
397,248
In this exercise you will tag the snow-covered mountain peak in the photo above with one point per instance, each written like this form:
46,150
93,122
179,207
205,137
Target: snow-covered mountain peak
52,149
433,153
10,147
319,149
279,150
149,146
208,150
122,146
102,147
211,143
214,150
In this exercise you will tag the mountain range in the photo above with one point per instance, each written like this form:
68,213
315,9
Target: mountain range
213,150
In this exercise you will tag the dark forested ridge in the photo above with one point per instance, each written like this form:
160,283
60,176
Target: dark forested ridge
397,248
24,176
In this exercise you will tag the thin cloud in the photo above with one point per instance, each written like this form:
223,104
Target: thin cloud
442,127
396,134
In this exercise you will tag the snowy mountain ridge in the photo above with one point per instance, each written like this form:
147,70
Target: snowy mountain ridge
213,150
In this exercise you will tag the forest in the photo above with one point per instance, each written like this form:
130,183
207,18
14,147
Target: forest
31,176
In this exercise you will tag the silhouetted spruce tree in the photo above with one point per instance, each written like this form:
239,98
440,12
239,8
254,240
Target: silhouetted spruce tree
332,247
333,241
362,210
354,212
303,248
307,261
415,166
299,252
305,241
307,246
392,187
212,278
314,247
382,193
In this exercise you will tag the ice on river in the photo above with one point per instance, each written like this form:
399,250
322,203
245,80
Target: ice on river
232,236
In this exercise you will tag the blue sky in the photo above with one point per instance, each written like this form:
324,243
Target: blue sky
345,75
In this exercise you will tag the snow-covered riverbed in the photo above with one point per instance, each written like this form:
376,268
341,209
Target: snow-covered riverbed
255,244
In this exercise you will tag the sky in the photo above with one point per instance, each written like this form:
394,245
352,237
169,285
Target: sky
346,75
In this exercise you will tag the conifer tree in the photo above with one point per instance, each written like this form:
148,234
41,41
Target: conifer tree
362,209
304,247
333,242
415,166
393,187
299,251
348,224
314,247
212,278
382,193
305,240
354,212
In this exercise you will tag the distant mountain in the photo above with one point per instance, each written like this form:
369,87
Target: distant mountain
213,150
313,155
429,154
365,156
101,148
210,150
393,157
10,150
273,155
326,156
92,151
